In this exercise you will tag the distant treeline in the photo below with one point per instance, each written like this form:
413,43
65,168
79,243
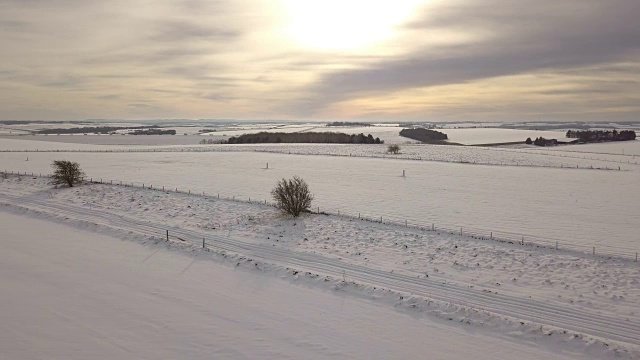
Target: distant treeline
540,141
92,130
424,135
306,137
588,136
342,123
154,132
212,141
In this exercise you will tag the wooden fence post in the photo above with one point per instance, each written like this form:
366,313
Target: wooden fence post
167,235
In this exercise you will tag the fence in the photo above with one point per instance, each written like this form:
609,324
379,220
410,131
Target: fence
440,228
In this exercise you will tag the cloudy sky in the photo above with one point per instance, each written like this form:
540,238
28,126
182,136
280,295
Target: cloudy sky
431,60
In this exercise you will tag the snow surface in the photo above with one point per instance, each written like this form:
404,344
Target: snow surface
557,299
475,136
623,148
71,294
572,206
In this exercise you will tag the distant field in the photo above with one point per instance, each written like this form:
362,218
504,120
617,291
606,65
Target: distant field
615,148
492,135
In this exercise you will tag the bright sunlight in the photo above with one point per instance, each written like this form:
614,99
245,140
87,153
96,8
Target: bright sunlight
345,25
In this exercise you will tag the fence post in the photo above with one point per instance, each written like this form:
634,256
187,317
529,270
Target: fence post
203,242
460,231
491,236
167,235
636,256
433,227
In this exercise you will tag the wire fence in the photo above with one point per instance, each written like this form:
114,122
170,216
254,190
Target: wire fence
524,240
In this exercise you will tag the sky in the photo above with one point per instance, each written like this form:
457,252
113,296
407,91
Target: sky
404,60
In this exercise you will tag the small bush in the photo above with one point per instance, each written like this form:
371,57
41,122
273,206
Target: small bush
66,173
393,149
292,196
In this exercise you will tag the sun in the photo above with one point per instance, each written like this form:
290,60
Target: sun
345,24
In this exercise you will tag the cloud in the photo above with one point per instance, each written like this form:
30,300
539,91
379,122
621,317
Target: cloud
181,30
233,58
508,39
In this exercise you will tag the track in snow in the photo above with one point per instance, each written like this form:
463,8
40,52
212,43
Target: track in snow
596,325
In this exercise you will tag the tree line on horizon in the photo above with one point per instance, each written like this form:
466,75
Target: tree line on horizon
92,129
601,135
424,135
304,137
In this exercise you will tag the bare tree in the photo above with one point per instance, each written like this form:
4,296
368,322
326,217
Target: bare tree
292,196
393,149
66,173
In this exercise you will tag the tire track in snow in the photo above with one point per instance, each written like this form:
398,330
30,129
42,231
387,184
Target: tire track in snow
576,320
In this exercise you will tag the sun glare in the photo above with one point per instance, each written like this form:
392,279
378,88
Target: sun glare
345,24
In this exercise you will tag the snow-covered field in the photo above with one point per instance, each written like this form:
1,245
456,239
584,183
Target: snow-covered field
440,153
495,135
145,301
415,273
103,141
623,148
390,133
572,206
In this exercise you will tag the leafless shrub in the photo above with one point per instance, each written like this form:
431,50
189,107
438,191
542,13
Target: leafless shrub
393,149
292,196
66,173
